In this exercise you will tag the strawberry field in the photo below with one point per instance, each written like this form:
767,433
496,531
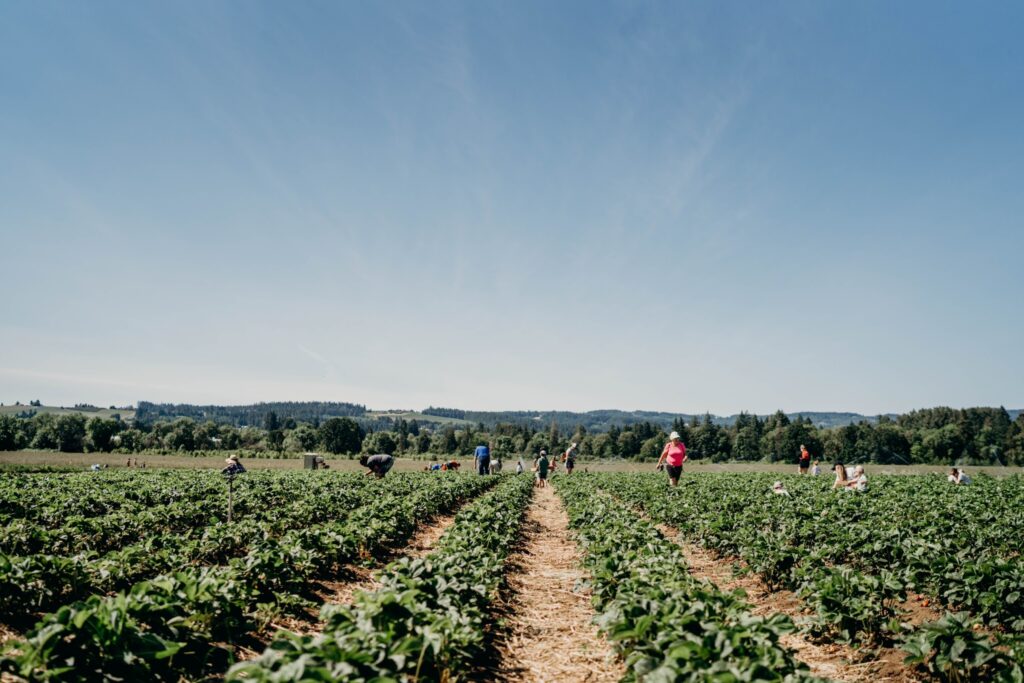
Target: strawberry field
139,576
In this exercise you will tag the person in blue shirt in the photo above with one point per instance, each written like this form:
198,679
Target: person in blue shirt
483,459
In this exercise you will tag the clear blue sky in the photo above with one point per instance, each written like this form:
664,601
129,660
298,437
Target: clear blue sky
509,205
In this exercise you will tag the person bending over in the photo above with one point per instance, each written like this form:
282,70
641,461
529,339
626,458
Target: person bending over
379,464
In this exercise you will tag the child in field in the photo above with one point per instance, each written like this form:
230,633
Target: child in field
816,470
779,490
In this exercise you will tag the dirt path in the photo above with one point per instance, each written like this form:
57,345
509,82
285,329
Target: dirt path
835,661
549,634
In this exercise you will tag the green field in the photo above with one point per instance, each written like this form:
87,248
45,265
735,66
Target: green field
153,575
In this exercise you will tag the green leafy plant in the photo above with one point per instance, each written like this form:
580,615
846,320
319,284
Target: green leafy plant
953,649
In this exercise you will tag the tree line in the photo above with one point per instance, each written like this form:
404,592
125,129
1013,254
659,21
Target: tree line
930,436
249,415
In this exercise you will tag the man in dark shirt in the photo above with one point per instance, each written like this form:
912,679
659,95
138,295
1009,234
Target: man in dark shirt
234,467
379,464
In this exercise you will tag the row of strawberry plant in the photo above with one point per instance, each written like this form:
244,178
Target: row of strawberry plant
907,533
42,582
180,503
185,623
851,602
849,605
668,625
428,619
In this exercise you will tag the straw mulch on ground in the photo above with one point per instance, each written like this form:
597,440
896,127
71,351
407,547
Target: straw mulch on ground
549,635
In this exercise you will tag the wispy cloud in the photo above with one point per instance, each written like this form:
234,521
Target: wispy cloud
327,366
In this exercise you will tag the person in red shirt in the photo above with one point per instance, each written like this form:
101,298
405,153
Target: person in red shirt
673,456
805,459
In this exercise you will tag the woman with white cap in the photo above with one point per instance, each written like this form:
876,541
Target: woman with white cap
673,456
569,458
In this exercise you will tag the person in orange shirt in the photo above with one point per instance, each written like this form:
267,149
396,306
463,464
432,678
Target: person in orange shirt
805,459
673,456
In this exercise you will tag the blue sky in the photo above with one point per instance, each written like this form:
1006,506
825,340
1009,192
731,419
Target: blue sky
576,205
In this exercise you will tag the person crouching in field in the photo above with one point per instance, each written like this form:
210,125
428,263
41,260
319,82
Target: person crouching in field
859,482
379,464
673,455
540,466
958,477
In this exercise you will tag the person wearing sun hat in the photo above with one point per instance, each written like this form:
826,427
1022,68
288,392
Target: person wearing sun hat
569,458
673,456
234,467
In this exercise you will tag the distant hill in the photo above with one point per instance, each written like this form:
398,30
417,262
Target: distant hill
248,415
21,410
601,420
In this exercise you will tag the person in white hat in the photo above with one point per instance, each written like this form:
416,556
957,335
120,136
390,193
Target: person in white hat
569,458
673,455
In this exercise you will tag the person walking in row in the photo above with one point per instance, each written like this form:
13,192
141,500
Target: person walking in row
379,464
805,459
540,466
482,455
673,455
